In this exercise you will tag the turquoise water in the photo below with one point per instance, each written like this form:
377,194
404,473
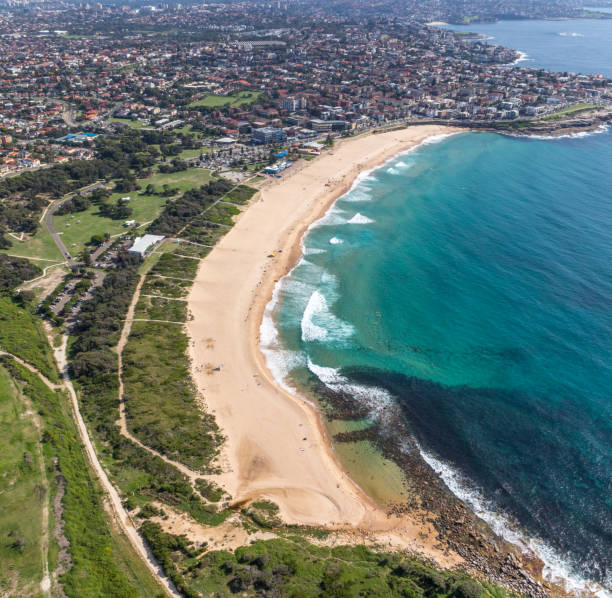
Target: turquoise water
469,283
581,45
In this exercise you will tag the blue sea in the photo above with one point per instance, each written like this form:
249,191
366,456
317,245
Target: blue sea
470,283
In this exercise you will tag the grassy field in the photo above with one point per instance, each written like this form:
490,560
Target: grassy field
77,229
236,99
133,124
22,493
41,245
571,111
193,153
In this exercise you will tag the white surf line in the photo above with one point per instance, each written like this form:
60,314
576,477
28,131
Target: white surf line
121,515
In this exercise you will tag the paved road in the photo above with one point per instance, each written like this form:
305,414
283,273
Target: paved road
55,235
49,222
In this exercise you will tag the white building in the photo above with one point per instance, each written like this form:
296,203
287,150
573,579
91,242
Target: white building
143,244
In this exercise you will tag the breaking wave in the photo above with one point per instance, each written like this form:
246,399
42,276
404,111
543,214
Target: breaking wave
360,219
320,324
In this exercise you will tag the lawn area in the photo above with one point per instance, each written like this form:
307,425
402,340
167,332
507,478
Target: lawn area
186,179
134,124
77,229
193,153
22,493
41,245
571,111
236,99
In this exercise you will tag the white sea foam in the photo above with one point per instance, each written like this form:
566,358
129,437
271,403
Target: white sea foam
577,135
376,400
523,57
312,250
319,323
360,219
281,361
335,241
431,140
333,216
360,194
556,568
392,170
571,34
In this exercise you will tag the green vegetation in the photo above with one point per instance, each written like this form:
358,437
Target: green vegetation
141,476
209,490
160,397
264,513
133,124
98,560
21,335
165,287
26,195
175,266
23,492
568,112
241,98
131,159
240,194
297,569
161,308
14,271
191,205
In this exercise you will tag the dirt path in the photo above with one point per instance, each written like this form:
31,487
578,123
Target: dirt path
122,421
120,514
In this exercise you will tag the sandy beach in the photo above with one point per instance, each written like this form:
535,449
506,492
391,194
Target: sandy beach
276,446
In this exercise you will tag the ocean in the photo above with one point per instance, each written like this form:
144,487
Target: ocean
469,283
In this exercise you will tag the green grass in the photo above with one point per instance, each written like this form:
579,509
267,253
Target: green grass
236,99
22,495
102,562
40,245
21,334
134,124
571,111
193,153
160,308
175,266
77,229
160,396
184,180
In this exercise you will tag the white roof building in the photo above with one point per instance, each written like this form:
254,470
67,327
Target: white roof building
143,244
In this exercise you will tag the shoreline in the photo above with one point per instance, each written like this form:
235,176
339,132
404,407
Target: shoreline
277,447
262,457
